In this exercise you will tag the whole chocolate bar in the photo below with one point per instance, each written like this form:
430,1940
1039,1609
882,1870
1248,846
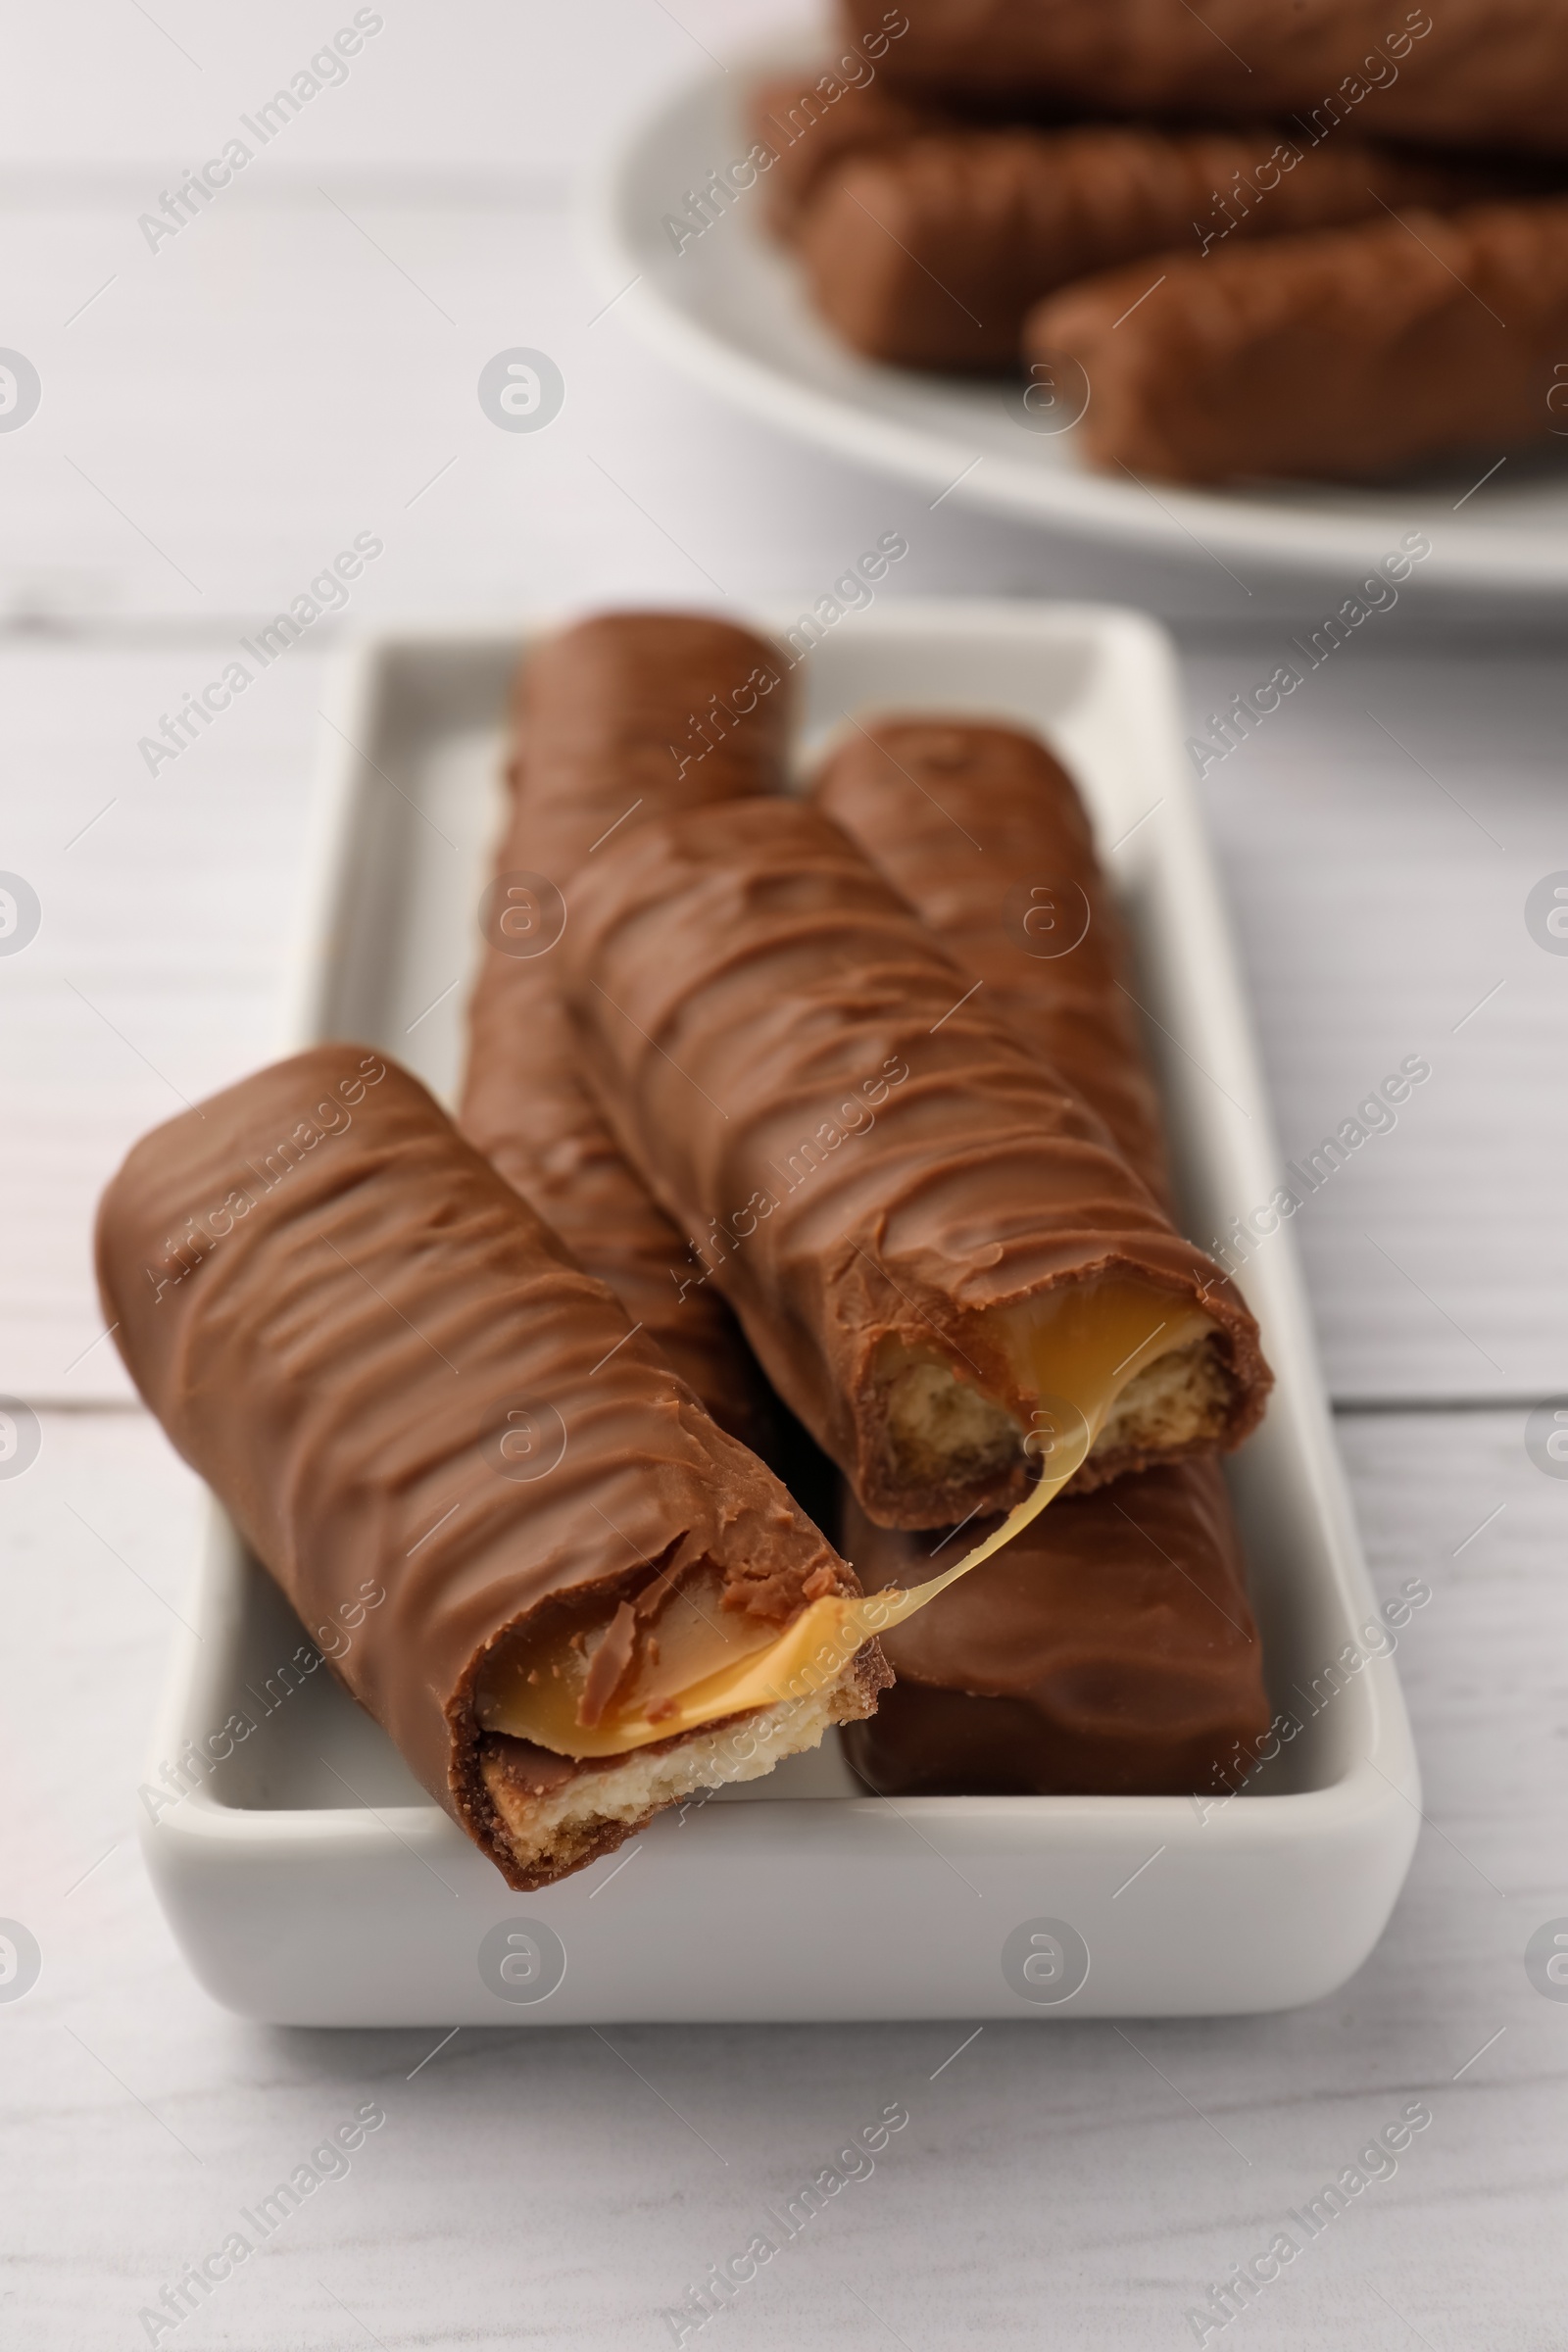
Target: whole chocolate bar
1468,74
929,252
625,715
930,1242
1108,1651
1339,355
393,1375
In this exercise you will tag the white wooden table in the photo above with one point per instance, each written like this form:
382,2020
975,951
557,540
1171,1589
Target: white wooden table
219,417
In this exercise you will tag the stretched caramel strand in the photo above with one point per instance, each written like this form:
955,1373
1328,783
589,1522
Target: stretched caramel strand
925,1235
981,829
929,253
431,1425
1468,74
1341,354
616,720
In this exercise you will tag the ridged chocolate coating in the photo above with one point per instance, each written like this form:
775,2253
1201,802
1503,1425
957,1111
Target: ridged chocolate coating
602,740
750,993
806,129
1343,354
929,253
1468,73
981,829
1109,1650
334,1332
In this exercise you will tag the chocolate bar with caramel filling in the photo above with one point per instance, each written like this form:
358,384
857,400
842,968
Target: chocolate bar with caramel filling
625,715
938,1255
386,1366
928,252
1107,1652
1111,1648
1465,73
1342,354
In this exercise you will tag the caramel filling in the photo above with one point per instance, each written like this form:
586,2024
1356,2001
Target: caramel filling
574,1686
676,1658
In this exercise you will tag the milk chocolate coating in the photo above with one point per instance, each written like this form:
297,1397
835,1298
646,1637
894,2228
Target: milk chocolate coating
788,1057
1340,354
806,129
929,253
1109,1650
605,736
339,1312
1470,73
982,830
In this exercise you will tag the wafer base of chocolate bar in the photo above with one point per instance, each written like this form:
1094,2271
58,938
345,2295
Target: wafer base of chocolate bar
557,1815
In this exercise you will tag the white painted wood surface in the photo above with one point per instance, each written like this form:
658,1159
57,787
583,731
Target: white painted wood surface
1064,2185
215,424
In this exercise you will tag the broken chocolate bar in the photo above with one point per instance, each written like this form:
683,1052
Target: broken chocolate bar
1110,1649
937,1253
386,1366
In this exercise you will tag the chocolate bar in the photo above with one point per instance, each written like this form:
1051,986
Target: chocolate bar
394,1376
938,1257
1339,355
929,252
623,715
1109,1650
1469,73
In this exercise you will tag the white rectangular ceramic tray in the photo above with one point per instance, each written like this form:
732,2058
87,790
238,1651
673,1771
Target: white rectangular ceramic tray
311,1882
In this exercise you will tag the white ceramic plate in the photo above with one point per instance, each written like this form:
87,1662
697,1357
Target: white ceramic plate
312,1881
730,309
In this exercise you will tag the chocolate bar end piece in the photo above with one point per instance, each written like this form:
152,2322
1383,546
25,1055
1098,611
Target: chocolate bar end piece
1109,1650
807,122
